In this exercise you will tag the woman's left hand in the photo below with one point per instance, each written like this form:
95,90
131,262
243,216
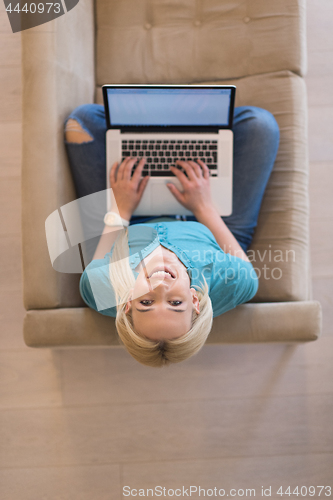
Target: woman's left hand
196,195
128,190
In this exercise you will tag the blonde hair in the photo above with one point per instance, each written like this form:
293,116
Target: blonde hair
146,351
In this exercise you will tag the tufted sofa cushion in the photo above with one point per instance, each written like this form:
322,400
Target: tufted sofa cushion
168,41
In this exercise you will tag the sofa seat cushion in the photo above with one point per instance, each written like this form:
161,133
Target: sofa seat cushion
280,247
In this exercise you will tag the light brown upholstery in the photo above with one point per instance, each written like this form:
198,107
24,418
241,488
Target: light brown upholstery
259,45
269,322
172,41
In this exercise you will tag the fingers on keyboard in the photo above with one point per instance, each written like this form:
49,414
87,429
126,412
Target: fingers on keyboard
161,154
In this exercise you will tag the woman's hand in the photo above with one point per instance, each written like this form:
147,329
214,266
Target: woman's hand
128,190
196,195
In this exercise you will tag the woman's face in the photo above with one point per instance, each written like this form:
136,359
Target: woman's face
162,301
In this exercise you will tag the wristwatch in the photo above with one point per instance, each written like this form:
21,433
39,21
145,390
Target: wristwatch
114,219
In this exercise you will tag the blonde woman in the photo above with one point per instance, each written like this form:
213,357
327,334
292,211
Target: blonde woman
164,279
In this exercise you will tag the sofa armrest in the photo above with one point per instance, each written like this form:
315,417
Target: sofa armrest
58,75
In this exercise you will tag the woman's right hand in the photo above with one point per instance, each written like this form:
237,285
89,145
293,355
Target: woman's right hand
127,189
196,195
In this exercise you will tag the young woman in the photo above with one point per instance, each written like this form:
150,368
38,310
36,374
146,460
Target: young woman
164,279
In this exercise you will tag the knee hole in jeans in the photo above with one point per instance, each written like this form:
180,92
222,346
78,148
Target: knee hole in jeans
74,133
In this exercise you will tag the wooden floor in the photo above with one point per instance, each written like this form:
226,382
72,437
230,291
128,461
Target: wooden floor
80,424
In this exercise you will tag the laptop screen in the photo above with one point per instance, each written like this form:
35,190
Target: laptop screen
147,107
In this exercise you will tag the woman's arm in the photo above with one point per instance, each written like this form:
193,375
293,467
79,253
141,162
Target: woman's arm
197,198
108,237
127,190
224,237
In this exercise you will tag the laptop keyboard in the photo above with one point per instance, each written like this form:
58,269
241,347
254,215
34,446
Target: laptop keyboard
160,154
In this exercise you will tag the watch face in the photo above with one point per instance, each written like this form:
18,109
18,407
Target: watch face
112,219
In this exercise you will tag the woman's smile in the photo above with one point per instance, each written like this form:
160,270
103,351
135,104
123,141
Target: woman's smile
163,272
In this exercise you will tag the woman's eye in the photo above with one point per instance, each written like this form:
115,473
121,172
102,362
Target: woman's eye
146,302
176,302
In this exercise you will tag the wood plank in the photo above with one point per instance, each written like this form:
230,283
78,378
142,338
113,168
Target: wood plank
323,291
176,430
319,64
321,242
10,149
12,313
320,133
217,371
99,482
233,473
10,50
11,265
10,94
319,89
30,378
320,190
10,204
319,25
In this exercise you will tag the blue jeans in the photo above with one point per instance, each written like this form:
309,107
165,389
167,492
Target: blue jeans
256,141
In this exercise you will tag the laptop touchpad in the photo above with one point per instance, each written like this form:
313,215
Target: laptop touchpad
161,197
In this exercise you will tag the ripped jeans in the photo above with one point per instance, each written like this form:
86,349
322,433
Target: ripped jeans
256,141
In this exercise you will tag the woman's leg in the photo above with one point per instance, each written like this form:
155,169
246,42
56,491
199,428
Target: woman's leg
85,144
85,130
87,157
256,141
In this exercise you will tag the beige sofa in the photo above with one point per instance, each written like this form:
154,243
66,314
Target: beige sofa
258,45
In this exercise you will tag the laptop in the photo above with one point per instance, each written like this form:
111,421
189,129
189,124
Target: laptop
164,123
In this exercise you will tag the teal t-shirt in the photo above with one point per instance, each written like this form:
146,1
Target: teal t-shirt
231,280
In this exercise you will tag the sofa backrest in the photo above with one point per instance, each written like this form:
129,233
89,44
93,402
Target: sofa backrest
173,41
